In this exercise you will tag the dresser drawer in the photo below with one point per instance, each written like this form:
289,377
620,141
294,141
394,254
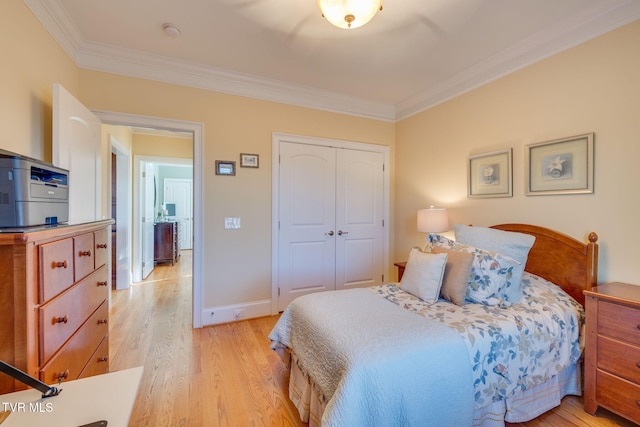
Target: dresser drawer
101,247
619,358
619,321
84,255
56,268
60,317
619,395
99,362
72,358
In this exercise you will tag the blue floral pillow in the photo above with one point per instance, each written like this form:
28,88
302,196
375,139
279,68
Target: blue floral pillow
490,275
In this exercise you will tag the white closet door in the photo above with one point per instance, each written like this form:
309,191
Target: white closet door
306,250
180,191
359,215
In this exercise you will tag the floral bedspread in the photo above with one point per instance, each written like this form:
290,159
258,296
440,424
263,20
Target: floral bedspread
511,348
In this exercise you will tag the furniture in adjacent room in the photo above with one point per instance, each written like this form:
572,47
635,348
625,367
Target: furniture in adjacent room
54,301
612,359
165,242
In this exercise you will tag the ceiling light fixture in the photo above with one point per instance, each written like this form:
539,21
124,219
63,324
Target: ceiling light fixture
171,29
349,13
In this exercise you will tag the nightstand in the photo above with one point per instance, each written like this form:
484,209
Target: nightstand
401,266
612,350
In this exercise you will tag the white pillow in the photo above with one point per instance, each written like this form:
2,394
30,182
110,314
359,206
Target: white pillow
507,243
423,275
490,271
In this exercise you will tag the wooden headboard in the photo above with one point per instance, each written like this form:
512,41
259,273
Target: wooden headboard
561,259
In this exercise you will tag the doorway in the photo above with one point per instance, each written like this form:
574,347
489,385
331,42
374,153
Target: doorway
197,131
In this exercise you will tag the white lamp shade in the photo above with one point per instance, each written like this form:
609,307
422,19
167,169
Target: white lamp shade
433,220
349,13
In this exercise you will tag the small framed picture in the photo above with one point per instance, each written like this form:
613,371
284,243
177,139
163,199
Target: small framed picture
248,160
489,174
225,167
561,166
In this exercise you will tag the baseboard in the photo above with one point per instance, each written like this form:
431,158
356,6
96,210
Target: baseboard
235,312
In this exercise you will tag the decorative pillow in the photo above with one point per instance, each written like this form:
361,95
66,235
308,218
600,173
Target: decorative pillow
423,275
508,243
456,274
490,271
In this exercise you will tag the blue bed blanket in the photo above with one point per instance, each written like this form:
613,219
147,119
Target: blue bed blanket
376,364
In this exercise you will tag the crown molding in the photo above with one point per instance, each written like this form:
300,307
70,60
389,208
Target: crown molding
578,29
98,57
546,43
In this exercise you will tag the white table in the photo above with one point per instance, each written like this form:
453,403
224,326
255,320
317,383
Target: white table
107,397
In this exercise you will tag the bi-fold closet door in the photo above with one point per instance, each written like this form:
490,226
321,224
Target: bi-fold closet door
331,212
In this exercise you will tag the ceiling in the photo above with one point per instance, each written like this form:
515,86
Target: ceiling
413,55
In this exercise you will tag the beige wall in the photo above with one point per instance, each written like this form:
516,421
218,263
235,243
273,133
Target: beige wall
594,87
29,69
237,263
162,146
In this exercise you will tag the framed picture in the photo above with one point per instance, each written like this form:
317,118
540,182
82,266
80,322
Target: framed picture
561,166
225,167
489,174
248,160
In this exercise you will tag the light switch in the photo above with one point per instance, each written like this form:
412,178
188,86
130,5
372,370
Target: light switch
232,223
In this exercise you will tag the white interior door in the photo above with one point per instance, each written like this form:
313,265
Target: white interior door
331,211
76,146
307,221
359,219
180,192
147,201
123,214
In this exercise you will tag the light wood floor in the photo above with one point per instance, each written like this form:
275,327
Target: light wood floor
223,375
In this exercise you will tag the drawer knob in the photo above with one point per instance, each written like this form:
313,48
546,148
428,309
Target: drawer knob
102,321
63,319
102,283
101,246
103,359
63,375
84,253
59,264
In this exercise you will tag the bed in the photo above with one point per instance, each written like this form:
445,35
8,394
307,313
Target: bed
384,356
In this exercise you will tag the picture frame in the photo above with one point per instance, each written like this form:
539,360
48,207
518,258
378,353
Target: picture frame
225,167
490,174
560,166
249,160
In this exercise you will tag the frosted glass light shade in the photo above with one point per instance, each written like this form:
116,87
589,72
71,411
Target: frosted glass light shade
433,220
349,13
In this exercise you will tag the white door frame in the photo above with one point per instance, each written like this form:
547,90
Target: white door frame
197,129
123,212
275,196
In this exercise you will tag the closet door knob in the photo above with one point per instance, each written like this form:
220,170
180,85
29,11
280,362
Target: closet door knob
329,233
340,232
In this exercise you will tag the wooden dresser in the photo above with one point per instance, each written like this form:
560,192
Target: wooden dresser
165,246
612,355
54,307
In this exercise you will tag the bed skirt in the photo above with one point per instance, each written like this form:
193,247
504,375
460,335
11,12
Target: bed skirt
523,407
